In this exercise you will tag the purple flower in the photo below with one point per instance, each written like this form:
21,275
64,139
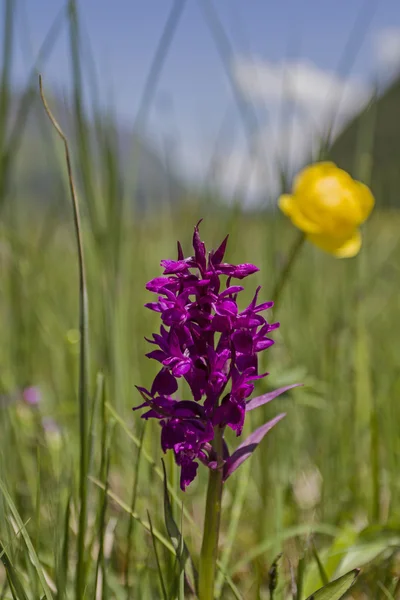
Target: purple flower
207,341
31,395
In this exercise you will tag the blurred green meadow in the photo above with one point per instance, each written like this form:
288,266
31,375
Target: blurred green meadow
322,488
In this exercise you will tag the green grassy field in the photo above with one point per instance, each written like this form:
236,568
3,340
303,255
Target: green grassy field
329,468
322,488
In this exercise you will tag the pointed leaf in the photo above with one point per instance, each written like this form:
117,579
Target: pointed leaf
182,552
331,558
265,398
160,574
247,448
320,566
336,589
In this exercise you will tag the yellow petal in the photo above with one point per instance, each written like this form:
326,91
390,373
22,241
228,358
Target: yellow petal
310,174
366,200
339,247
285,203
289,207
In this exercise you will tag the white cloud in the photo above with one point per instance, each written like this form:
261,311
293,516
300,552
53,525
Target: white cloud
387,47
314,96
302,82
256,175
288,140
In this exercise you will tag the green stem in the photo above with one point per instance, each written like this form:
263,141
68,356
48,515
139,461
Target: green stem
83,394
212,519
284,274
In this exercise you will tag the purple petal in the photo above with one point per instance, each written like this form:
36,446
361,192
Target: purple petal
260,400
226,308
261,345
264,306
244,270
158,283
218,255
164,384
221,324
243,341
199,248
246,361
143,392
157,355
153,306
181,368
188,473
174,266
232,289
140,406
246,449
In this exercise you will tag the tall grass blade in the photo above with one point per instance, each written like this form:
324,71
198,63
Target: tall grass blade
159,570
14,581
83,365
32,553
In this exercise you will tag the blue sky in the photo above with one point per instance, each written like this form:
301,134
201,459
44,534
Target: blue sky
194,95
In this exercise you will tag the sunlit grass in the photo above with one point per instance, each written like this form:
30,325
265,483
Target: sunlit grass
331,469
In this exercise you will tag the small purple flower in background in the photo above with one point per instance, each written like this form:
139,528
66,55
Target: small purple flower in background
206,340
31,395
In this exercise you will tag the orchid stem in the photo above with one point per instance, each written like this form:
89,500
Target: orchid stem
212,519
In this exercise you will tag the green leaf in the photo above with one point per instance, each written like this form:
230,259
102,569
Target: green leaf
336,589
330,559
160,574
182,552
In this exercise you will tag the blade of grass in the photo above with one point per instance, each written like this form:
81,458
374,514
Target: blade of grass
81,126
127,509
14,581
33,556
152,79
158,61
321,570
83,364
152,463
129,535
234,519
7,53
347,60
176,537
62,570
291,532
300,578
159,570
101,582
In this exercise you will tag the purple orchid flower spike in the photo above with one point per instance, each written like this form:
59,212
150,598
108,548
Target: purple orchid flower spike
207,341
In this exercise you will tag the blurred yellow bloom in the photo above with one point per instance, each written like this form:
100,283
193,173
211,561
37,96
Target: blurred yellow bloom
329,206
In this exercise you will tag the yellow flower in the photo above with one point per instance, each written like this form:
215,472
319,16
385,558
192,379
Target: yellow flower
329,206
